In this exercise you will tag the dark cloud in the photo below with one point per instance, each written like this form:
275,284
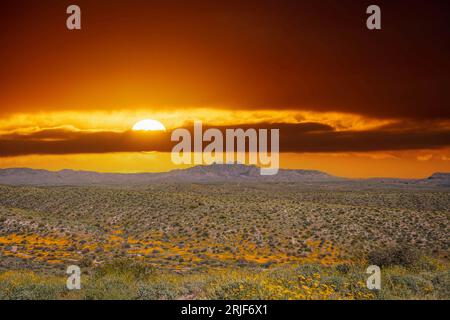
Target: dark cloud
305,55
303,137
63,142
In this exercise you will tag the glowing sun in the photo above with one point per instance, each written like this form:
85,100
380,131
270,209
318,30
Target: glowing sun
149,125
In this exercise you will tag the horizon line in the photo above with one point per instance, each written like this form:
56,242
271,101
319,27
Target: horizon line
207,165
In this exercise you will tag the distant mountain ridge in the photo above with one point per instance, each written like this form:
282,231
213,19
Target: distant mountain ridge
214,173
440,176
202,173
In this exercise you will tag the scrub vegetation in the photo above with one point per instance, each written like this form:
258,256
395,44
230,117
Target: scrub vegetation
224,241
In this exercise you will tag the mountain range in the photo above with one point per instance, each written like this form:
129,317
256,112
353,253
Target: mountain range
205,173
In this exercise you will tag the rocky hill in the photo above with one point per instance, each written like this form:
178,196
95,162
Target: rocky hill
213,173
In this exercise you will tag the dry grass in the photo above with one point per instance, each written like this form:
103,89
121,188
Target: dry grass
220,232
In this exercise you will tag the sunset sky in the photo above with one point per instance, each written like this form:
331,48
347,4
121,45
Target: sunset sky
347,100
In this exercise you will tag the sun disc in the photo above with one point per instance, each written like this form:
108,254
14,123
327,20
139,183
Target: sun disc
149,125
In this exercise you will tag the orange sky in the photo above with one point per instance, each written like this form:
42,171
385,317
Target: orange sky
348,101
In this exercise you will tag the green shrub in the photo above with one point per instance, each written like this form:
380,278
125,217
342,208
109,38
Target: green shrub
404,256
157,291
308,270
26,286
110,287
237,290
441,283
125,267
406,286
343,268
